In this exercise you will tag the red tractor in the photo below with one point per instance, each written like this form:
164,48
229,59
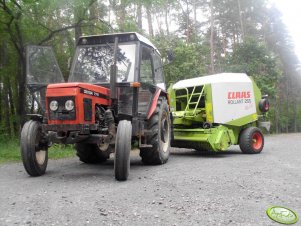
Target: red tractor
115,97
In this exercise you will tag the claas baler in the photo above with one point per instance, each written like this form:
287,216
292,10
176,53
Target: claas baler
216,111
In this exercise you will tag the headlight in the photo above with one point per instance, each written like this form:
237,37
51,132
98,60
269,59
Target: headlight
54,105
69,105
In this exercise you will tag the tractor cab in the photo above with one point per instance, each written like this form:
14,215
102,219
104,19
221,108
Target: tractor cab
138,60
116,80
139,70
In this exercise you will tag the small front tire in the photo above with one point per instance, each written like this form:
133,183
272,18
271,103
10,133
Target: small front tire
122,150
34,150
251,140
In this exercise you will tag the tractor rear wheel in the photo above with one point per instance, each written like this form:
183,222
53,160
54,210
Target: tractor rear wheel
251,140
160,126
91,153
122,150
34,150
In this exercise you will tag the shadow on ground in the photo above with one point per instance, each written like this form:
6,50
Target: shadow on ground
203,154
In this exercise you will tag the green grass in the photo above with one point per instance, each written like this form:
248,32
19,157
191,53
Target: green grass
10,151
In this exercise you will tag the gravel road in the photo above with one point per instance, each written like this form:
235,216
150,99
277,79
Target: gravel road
227,188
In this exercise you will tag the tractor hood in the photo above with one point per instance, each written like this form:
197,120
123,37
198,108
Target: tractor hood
89,89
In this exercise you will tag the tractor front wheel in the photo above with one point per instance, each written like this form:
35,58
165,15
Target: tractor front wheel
122,150
160,135
251,140
34,149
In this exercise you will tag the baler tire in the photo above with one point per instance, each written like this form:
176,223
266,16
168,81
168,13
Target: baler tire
34,155
251,140
160,126
90,153
122,150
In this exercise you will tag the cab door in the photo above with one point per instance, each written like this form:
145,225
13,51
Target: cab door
146,79
41,69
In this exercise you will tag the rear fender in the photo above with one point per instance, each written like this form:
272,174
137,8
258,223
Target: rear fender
154,103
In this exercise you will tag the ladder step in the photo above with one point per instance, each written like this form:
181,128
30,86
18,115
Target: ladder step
193,102
195,94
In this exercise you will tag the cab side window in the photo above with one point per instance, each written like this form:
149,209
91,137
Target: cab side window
158,68
146,72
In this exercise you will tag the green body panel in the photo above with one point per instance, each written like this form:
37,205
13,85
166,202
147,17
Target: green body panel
243,121
257,94
215,139
208,104
192,107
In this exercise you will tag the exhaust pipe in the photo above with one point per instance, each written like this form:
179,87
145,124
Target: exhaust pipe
113,71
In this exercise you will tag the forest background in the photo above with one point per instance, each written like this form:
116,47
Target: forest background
206,36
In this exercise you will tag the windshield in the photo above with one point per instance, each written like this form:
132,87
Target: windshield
92,63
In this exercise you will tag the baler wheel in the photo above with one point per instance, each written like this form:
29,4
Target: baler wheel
33,150
160,126
251,140
122,150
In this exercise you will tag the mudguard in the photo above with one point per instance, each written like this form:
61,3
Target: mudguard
158,93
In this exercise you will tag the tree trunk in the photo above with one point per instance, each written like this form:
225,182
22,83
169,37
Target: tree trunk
166,18
194,14
159,25
77,33
77,28
149,21
12,106
188,36
1,91
6,111
139,16
93,16
241,20
21,76
277,116
211,38
122,15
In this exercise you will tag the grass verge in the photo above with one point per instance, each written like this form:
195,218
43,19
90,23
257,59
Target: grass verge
10,151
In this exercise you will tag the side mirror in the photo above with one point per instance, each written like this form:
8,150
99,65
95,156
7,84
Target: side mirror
170,55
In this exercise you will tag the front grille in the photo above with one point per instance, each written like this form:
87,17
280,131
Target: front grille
61,113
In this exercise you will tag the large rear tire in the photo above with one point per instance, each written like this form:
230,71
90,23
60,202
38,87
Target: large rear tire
34,150
91,153
251,140
122,150
160,126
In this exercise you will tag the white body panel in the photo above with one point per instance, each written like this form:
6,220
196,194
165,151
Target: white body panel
232,95
212,79
227,107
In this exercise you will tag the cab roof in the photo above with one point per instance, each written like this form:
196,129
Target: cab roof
110,38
